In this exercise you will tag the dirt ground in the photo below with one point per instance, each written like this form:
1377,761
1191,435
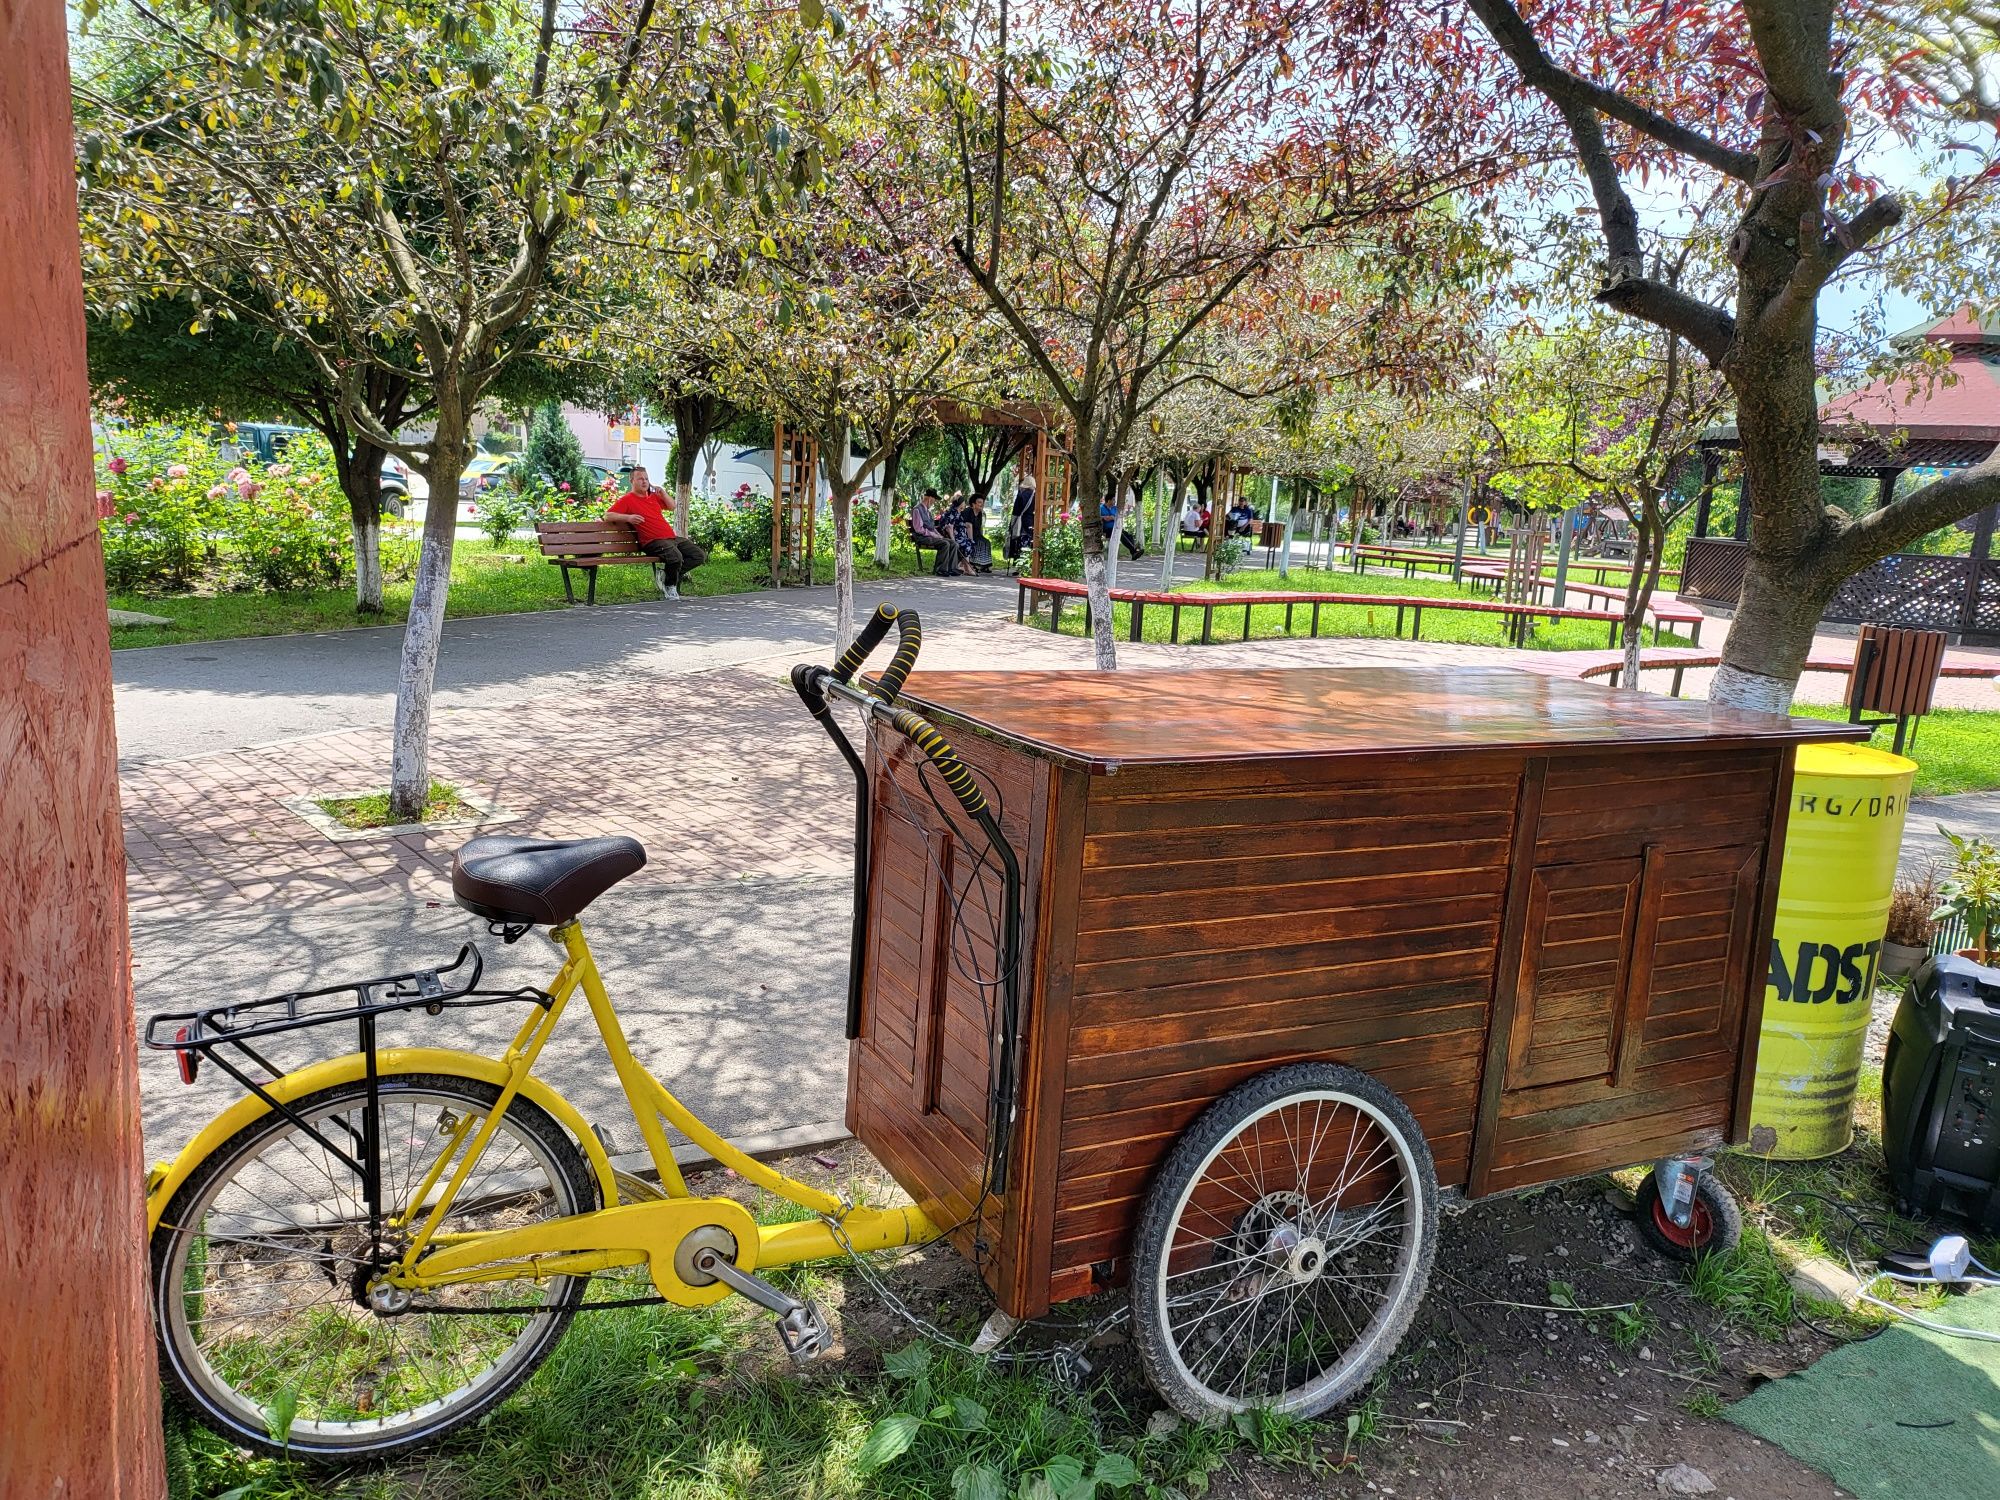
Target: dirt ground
1498,1391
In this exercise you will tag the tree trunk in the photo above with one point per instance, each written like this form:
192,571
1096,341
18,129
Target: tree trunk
410,752
1649,541
1359,503
1170,544
885,507
367,535
359,470
841,497
1084,483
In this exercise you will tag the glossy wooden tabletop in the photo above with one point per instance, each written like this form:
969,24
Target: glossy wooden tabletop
1108,718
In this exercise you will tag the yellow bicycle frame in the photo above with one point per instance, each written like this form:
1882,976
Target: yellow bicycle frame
619,1234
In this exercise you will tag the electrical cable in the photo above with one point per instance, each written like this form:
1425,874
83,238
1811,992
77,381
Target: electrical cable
1855,1221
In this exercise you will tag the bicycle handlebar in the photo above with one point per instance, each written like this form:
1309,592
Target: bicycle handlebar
879,697
909,641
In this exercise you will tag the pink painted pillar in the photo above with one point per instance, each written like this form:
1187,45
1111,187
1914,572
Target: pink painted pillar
79,1390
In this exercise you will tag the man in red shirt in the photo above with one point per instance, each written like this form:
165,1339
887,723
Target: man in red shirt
674,555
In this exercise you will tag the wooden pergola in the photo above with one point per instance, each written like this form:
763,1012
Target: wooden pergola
1882,432
795,461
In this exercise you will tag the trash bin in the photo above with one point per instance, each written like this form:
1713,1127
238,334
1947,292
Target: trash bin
1841,842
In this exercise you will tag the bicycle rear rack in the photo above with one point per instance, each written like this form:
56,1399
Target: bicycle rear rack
213,1032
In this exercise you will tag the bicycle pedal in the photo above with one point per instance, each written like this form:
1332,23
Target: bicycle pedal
804,1333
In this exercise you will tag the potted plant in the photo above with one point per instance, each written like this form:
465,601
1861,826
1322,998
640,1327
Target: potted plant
1907,942
1970,892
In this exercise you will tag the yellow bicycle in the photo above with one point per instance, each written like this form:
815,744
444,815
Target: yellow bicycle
362,1254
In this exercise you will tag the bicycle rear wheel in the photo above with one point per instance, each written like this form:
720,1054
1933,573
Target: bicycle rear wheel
260,1261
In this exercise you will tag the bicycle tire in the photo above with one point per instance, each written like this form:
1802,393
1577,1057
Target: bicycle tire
196,1384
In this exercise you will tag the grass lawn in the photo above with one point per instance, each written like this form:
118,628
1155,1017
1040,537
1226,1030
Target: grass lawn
1956,749
483,582
1349,620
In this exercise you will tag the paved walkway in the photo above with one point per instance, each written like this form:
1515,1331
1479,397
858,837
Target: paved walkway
674,722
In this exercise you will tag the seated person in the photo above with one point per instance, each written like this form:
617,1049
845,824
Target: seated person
1107,512
928,529
1242,520
956,523
1194,520
673,556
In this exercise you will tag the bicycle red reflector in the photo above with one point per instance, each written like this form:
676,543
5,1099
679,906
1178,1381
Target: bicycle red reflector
186,1058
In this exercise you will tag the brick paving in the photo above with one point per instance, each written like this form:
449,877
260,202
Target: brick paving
719,773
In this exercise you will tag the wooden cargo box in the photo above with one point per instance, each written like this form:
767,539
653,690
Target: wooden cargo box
1535,908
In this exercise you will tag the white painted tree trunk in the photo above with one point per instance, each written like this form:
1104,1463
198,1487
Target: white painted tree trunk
683,503
1171,542
885,523
1740,689
842,501
1096,579
410,746
367,563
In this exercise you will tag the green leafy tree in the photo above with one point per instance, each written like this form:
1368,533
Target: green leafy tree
161,359
553,453
399,190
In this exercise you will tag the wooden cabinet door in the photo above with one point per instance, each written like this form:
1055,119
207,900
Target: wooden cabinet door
1572,993
1625,1015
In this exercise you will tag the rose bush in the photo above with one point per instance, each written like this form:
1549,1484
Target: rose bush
175,515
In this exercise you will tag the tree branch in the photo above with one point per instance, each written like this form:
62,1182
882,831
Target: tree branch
1503,19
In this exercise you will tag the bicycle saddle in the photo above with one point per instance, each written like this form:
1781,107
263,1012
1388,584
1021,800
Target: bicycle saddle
544,882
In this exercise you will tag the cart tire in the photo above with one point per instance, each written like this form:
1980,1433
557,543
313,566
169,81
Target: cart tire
1303,1291
1716,1227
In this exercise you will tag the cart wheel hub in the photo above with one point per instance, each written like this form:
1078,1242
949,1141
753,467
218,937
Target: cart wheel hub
1306,1259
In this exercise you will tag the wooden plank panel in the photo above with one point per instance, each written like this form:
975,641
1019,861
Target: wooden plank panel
1442,927
1262,810
1324,839
1235,880
1275,909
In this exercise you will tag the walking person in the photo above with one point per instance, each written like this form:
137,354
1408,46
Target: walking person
1021,521
673,556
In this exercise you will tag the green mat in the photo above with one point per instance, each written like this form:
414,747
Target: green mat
1868,1413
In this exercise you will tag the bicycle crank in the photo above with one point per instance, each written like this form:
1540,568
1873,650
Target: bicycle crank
801,1325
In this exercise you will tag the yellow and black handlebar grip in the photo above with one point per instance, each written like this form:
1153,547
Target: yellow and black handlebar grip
872,631
909,641
939,753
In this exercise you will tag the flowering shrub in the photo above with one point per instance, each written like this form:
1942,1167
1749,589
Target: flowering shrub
560,502
174,515
500,512
741,523
1062,551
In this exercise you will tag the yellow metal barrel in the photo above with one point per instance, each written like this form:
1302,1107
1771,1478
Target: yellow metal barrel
1846,825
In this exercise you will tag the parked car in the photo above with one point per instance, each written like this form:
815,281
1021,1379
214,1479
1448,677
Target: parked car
483,473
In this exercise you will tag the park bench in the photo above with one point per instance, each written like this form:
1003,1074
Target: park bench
1664,611
935,544
589,545
1520,617
1680,663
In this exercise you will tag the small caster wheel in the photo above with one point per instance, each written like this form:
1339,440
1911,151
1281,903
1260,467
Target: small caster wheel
1715,1225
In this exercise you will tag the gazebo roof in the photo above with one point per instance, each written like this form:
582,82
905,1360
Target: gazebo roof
1958,408
1921,420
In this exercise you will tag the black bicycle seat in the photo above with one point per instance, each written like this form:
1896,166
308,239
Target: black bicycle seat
543,882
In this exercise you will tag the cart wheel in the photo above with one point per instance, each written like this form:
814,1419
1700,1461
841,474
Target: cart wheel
1716,1224
1284,1247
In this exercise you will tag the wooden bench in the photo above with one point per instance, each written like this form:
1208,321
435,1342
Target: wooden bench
1895,673
1664,611
1682,662
1520,617
589,545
